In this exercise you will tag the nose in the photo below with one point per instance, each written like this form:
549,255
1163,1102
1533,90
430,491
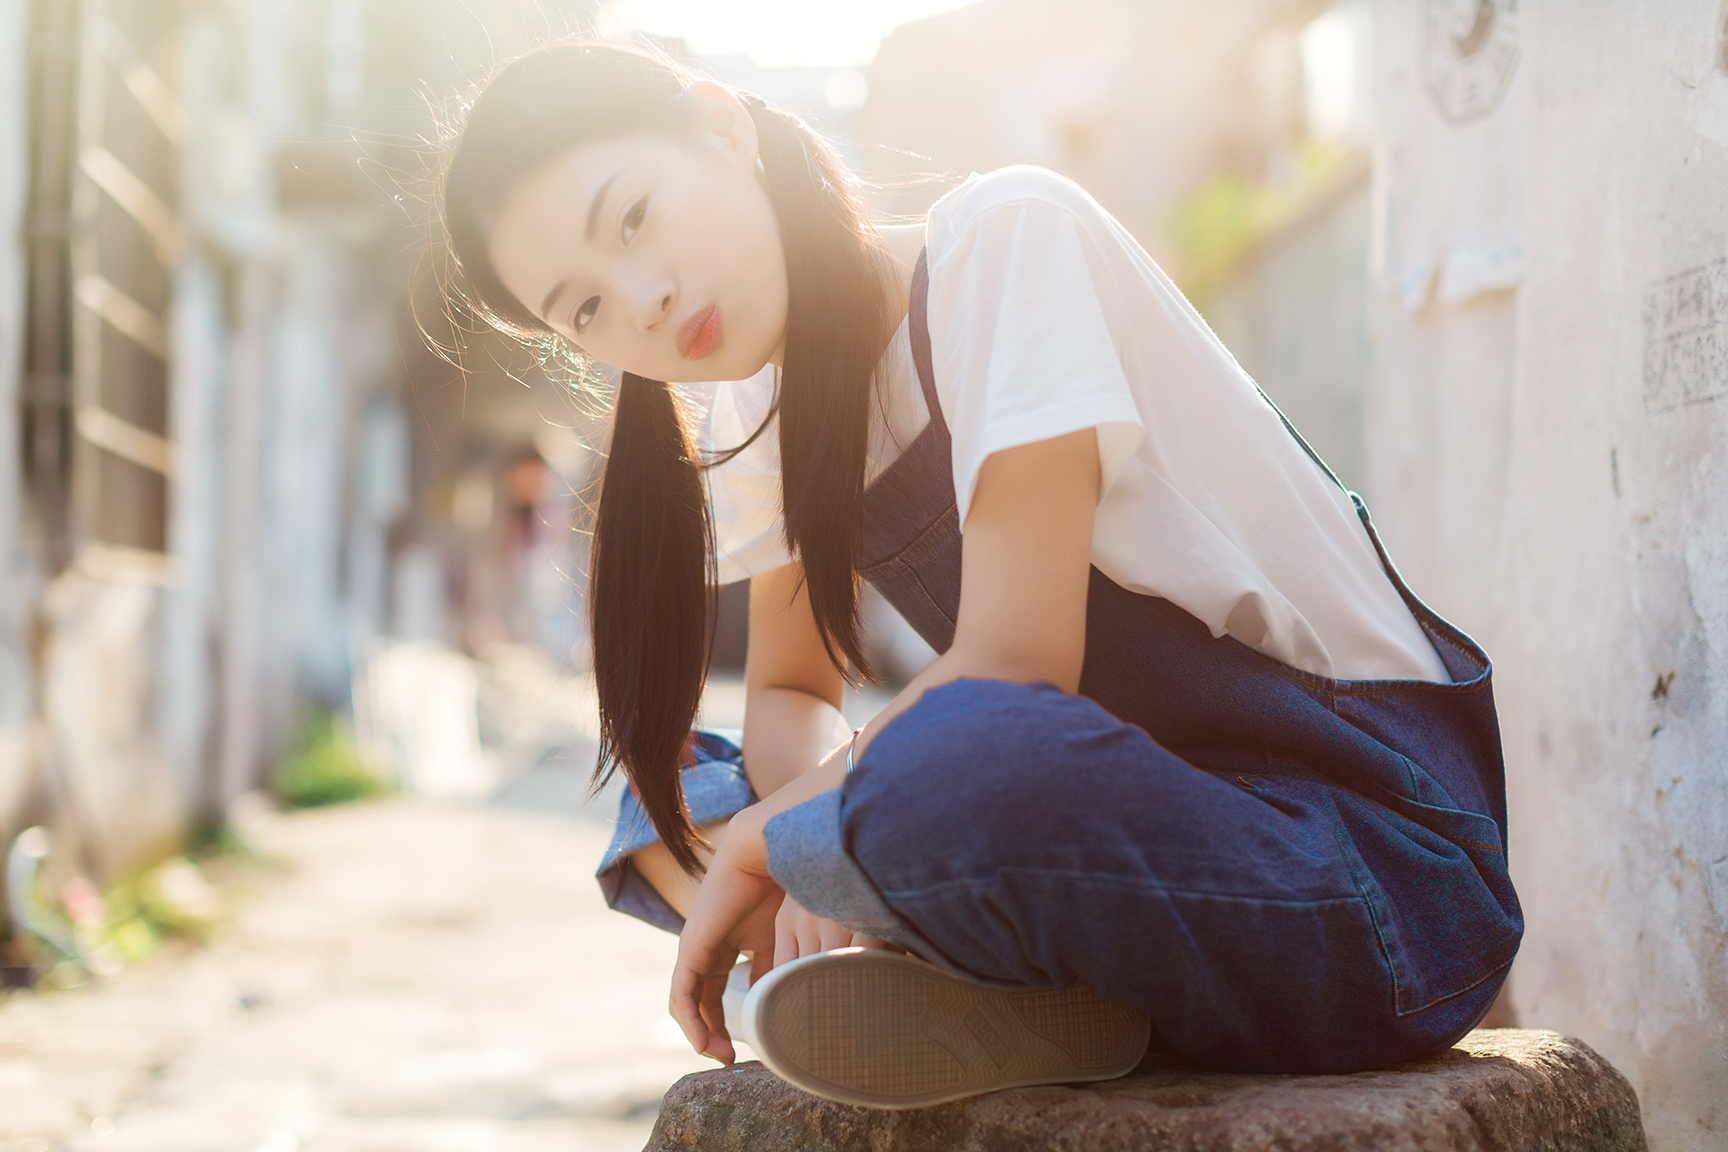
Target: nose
651,299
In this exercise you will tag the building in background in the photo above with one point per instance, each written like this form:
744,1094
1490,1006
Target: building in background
230,463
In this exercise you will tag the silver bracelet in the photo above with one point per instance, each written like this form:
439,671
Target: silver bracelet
850,748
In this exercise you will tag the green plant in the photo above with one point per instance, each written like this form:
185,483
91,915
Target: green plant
327,768
1216,227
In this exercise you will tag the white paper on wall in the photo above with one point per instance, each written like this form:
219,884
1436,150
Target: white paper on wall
1452,215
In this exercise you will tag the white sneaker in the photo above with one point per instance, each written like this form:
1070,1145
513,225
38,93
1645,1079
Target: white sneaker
876,1028
732,1000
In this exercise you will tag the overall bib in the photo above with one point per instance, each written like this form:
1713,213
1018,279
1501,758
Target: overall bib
1287,873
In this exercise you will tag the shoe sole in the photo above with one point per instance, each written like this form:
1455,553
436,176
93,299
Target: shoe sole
889,1031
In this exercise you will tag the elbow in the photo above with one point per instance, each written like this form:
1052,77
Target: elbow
1062,673
1057,664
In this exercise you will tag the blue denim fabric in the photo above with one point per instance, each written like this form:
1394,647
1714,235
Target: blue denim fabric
1020,837
1287,873
715,787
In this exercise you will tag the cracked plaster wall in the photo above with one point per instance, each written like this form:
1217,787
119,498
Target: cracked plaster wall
1548,453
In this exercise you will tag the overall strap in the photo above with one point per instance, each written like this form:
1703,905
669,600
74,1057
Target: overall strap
921,360
1457,640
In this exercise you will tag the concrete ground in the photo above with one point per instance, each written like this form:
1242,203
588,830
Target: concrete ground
396,976
400,976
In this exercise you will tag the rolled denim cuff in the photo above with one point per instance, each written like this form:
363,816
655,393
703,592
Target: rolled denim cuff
807,857
715,788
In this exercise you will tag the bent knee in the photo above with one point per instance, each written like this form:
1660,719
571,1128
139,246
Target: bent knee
979,760
967,726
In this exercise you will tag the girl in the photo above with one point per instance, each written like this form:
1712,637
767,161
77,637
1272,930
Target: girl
1194,769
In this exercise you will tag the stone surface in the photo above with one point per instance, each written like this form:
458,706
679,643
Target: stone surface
1499,1090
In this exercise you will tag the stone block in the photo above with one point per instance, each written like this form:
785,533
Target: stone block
1498,1090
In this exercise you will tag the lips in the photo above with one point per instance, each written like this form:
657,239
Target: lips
699,335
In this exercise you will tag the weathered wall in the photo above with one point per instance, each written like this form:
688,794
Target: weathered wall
15,681
1295,317
1548,446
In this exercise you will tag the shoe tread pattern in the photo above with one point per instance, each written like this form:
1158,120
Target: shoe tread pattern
888,1031
883,1050
1094,1032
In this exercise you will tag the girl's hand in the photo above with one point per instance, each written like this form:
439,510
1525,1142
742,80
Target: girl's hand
800,932
740,908
734,911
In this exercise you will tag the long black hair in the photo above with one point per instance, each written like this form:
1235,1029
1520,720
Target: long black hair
652,548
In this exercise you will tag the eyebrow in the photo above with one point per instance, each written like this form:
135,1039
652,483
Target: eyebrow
594,207
599,201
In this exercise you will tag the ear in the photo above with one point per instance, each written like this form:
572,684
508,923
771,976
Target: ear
724,121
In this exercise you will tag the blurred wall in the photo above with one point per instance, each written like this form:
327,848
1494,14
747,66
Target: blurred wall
1141,103
15,680
1295,315
210,220
1548,446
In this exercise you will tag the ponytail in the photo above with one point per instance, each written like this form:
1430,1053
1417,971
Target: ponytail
836,332
649,596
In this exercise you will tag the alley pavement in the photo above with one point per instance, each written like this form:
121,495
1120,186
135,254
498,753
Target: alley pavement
396,976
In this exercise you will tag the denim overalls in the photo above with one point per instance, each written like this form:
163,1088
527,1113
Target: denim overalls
1287,873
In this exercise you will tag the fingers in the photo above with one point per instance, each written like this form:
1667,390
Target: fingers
831,935
734,911
859,940
800,932
714,1016
796,932
684,1004
785,932
695,1005
809,934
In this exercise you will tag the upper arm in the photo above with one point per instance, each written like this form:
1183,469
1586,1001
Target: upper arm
785,650
1024,313
1025,562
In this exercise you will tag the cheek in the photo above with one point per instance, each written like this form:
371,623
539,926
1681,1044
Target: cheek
761,258
734,222
614,341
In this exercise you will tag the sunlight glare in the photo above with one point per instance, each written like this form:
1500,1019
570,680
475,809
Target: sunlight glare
779,33
1335,49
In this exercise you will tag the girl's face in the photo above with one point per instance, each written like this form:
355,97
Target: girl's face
655,255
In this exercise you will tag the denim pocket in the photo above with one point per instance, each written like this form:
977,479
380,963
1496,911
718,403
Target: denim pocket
1434,880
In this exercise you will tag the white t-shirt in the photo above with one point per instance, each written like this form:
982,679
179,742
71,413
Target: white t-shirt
1046,317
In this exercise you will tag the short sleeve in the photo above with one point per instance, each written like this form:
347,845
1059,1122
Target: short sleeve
744,492
1022,337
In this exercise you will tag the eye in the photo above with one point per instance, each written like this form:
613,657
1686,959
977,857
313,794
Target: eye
633,218
585,313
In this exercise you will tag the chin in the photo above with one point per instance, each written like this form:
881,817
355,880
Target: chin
721,366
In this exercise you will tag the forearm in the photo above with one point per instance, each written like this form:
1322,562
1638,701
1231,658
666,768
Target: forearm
976,661
1021,664
1024,571
787,731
